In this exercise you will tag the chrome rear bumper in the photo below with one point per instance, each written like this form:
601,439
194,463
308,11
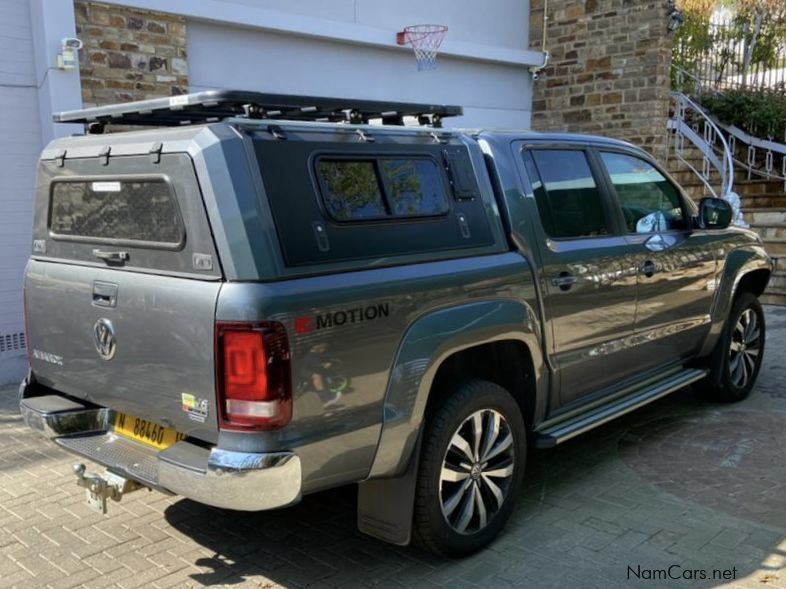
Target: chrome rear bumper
222,478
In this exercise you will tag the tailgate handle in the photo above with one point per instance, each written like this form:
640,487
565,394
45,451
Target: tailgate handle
110,256
104,294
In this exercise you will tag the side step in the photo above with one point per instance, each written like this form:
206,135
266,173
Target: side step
554,433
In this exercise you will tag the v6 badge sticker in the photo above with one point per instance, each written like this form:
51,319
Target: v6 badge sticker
196,408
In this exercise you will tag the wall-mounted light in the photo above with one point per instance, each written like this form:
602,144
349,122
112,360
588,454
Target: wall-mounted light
68,58
676,18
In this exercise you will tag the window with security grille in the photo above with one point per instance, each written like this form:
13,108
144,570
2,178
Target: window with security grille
121,210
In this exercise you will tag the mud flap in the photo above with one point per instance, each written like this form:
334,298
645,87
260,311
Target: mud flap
386,506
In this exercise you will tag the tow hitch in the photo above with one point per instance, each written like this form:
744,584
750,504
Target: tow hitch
100,488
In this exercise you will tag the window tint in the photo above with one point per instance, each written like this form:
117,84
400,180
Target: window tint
351,189
381,188
414,187
129,210
569,202
648,200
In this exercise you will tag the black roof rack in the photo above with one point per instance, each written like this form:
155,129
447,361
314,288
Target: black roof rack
214,105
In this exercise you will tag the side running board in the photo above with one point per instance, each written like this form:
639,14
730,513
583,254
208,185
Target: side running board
556,432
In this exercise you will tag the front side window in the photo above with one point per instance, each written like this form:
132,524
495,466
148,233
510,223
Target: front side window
569,202
381,188
649,202
117,210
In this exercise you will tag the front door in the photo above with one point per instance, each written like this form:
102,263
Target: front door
586,272
676,264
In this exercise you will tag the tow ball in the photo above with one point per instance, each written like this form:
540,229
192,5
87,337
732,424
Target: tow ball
100,488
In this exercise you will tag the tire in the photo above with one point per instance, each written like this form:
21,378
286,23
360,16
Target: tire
448,515
737,358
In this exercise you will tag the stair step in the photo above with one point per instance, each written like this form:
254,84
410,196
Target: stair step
765,216
770,232
555,432
743,178
769,298
777,284
766,201
754,187
776,249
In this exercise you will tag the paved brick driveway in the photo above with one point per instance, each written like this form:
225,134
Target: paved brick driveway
681,482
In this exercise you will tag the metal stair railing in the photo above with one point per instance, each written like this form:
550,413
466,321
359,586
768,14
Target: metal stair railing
692,123
760,153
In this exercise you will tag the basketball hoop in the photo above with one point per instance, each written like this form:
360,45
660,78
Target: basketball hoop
425,40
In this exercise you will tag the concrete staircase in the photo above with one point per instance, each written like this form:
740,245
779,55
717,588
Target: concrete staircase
764,208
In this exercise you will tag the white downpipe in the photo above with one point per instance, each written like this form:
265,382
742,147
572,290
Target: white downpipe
536,69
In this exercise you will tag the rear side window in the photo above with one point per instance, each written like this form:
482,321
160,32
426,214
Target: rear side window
414,187
351,189
569,202
116,211
356,190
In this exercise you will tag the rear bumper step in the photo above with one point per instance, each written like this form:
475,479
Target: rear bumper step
561,431
228,479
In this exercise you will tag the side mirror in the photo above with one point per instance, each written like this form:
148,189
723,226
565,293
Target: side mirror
714,213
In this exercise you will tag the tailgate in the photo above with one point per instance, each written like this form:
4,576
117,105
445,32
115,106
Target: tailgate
122,287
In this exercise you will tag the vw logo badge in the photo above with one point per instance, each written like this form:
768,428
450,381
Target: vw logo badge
104,338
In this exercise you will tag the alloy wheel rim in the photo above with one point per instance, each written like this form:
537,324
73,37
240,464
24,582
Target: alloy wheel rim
745,348
477,471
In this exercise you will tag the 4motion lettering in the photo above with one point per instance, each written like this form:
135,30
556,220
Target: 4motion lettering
341,317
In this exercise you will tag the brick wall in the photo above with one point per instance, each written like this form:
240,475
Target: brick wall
609,69
129,54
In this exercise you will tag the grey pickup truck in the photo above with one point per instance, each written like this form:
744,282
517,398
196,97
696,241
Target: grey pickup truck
254,297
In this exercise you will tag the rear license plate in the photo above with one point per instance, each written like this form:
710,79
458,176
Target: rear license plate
146,432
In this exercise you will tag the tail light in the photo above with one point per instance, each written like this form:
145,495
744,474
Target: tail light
254,382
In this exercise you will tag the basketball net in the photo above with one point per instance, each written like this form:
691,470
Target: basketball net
425,41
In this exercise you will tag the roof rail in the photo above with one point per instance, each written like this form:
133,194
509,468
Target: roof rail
215,105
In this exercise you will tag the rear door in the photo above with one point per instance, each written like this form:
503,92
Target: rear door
589,286
121,288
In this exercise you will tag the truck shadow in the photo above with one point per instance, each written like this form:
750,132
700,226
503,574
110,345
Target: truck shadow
682,482
681,487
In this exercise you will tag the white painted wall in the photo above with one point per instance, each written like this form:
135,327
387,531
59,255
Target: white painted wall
502,23
221,56
21,133
29,93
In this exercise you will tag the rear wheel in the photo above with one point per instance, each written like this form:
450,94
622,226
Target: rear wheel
471,469
737,358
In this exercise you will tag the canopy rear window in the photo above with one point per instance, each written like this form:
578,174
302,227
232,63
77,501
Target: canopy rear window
116,211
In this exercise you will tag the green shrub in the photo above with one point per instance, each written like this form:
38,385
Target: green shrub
760,113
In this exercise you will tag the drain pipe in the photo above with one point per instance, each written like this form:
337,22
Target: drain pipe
536,69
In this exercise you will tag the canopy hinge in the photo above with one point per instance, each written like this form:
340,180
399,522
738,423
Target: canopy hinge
60,158
155,152
103,155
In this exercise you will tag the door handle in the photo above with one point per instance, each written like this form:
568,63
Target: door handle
564,281
648,268
104,294
110,256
